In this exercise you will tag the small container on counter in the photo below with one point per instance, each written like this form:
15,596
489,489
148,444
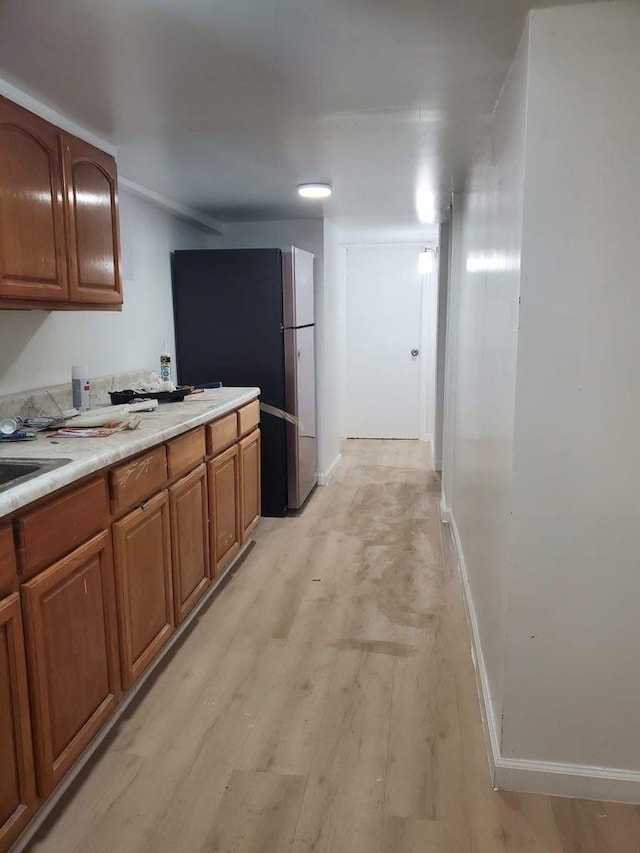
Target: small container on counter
81,387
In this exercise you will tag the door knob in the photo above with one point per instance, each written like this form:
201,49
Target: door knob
415,352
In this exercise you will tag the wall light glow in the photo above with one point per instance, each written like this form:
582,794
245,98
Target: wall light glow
492,262
425,261
426,206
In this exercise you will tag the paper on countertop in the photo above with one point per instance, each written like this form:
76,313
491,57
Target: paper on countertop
110,415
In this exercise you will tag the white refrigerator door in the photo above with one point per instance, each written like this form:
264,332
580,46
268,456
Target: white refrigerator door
301,402
301,307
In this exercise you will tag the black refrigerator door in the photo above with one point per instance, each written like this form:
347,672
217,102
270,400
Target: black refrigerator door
228,323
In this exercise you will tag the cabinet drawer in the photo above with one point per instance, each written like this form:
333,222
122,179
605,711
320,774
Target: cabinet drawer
248,417
185,452
134,481
8,567
55,529
222,433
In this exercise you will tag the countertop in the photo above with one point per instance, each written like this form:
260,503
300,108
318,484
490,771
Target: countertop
91,454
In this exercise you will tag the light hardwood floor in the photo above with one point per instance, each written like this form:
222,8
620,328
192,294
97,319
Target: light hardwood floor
325,701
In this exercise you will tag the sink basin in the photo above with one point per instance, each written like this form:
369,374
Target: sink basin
16,471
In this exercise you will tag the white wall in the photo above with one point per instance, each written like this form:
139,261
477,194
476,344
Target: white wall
483,306
572,691
542,455
333,346
441,342
37,348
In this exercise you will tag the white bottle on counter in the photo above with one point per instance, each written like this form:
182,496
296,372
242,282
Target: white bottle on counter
165,364
81,387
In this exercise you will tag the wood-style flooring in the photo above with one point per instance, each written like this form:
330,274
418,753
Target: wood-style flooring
324,701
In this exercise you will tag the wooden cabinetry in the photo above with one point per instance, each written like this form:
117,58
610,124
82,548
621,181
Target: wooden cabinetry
33,263
72,654
17,787
224,507
144,584
249,448
60,525
90,180
108,567
8,567
59,239
189,540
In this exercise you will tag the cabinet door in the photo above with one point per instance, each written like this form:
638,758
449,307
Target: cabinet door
32,239
143,583
72,651
17,785
224,507
189,540
250,482
92,223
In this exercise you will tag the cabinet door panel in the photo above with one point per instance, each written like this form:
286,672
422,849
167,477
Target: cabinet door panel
71,632
17,787
250,482
144,584
32,239
189,540
8,567
224,507
92,223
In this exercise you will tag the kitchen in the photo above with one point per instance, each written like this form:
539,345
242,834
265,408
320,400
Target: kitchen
176,671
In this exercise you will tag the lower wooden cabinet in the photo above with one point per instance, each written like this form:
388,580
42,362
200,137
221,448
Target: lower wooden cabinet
72,653
17,784
189,540
249,482
87,622
224,507
144,584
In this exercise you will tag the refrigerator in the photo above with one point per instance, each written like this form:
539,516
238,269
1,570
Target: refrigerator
246,317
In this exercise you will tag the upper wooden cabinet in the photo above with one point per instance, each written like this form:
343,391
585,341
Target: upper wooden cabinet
92,223
33,263
59,242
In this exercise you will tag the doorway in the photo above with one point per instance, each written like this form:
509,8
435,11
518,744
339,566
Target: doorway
390,343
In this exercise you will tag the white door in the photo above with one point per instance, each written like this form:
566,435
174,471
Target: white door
383,335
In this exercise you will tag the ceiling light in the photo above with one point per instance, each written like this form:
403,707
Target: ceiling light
314,190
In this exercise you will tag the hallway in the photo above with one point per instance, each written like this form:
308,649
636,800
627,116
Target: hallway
324,701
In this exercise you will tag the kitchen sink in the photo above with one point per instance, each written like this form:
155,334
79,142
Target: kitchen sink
16,471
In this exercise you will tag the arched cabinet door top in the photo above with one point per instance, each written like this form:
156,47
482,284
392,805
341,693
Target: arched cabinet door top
33,262
92,223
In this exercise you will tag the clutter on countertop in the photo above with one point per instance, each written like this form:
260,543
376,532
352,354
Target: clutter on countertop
92,453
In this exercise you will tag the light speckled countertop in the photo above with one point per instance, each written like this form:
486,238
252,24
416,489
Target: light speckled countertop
91,454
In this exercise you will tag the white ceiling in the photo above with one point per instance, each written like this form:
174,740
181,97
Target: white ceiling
226,105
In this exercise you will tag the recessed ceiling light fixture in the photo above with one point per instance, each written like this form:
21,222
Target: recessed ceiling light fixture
314,190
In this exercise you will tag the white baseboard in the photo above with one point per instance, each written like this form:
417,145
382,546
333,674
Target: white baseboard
325,476
491,738
445,511
520,774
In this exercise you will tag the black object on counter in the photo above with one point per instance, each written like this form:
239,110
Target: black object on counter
118,398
